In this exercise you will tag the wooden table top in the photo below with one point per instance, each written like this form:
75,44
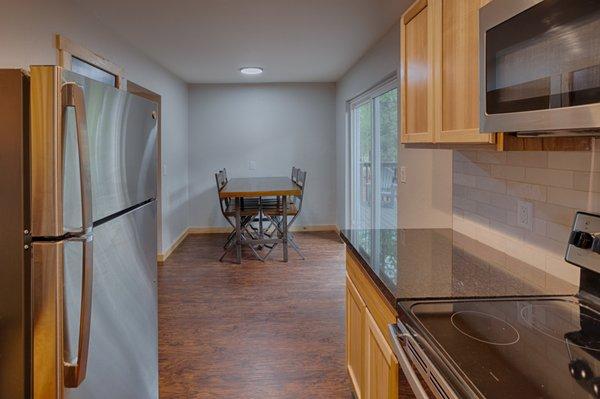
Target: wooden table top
260,187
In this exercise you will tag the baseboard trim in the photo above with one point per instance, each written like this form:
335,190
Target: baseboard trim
221,230
209,230
163,256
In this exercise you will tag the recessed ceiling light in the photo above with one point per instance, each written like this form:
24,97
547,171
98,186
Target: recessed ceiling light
251,70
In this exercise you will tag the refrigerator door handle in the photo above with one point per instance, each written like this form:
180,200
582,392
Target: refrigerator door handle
73,96
74,373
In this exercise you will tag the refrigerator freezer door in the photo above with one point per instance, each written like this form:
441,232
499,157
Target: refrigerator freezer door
121,140
123,351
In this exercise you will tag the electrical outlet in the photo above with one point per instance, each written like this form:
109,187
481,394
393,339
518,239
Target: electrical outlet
252,165
525,215
403,174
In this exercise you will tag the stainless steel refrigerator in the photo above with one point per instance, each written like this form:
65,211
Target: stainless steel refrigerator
78,295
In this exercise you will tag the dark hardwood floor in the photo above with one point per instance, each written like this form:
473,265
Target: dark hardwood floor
255,330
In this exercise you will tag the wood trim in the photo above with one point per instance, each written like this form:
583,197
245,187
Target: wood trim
67,48
414,9
163,256
141,91
383,313
510,142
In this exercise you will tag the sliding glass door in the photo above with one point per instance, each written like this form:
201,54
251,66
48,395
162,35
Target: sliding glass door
374,152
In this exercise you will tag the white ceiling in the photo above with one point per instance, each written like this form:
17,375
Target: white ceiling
207,41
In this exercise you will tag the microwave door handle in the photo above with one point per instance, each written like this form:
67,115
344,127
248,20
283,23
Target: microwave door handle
73,96
407,368
74,373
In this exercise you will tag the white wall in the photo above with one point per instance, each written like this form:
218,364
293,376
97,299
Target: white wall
276,125
425,200
27,30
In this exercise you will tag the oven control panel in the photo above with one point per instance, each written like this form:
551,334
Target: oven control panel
584,242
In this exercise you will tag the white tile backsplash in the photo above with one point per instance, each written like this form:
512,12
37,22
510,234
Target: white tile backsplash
487,185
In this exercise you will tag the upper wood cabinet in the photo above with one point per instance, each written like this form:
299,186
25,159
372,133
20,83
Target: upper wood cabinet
416,74
440,73
457,88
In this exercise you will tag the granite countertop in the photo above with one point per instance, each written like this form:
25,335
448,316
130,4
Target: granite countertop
444,264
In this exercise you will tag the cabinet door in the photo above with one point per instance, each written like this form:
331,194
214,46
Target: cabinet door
416,74
381,364
457,89
355,336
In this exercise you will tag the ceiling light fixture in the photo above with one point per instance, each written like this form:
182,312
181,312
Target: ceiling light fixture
251,70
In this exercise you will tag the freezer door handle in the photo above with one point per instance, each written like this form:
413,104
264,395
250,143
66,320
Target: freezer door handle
73,96
74,373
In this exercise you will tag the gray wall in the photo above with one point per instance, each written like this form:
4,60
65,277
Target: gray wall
275,125
27,29
425,200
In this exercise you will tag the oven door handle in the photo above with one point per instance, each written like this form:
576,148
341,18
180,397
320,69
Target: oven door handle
407,368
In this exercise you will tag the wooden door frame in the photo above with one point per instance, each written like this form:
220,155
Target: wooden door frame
152,96
66,49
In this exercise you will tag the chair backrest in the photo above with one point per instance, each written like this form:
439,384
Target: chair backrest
298,200
221,180
301,178
295,171
224,171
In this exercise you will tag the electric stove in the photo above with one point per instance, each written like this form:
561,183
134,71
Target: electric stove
518,347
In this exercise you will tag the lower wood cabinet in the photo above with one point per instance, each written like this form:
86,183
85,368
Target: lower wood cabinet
381,364
355,333
371,363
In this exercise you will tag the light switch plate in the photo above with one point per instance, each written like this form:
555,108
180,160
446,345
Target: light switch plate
403,174
252,165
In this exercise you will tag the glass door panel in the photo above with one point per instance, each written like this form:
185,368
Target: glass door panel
374,128
386,139
364,123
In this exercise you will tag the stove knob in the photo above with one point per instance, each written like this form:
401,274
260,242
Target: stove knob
581,239
596,387
580,370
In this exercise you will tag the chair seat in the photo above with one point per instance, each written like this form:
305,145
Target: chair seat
277,210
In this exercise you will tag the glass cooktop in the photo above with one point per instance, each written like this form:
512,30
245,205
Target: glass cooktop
544,348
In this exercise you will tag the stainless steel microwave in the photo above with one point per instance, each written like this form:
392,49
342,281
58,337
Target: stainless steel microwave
540,66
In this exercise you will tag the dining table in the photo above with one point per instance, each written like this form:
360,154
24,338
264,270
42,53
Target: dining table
240,189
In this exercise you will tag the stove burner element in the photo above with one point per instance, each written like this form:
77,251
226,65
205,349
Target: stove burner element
554,321
485,328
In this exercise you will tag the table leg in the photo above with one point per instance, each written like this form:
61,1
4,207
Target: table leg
260,219
238,230
285,230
